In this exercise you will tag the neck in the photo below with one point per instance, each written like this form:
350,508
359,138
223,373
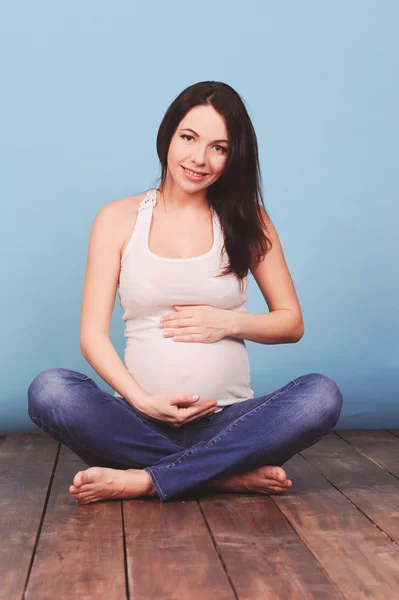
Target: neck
174,198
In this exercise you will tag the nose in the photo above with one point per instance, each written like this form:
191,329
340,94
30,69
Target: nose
198,157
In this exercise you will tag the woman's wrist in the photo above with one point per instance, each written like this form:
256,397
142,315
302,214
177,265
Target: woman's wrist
139,400
232,325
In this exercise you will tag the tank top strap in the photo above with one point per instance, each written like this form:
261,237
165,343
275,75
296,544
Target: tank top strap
139,237
143,220
149,200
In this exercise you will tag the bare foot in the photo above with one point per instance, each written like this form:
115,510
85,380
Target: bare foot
264,480
100,483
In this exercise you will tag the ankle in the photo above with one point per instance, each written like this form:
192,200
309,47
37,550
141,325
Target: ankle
150,488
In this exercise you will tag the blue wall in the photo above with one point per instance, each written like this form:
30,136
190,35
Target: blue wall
85,86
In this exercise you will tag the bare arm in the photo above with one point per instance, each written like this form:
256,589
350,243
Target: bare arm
284,323
104,359
99,292
279,326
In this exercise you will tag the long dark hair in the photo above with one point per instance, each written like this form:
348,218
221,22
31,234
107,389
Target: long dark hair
236,196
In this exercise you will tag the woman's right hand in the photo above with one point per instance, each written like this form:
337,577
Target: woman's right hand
175,409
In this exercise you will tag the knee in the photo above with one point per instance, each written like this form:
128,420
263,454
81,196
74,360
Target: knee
331,399
44,390
325,398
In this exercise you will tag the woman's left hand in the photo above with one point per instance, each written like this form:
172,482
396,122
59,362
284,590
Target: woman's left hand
198,323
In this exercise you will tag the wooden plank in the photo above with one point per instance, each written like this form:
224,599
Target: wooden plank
394,431
80,553
264,557
368,486
379,445
26,466
357,556
170,553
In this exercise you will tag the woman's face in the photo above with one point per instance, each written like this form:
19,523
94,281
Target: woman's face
199,144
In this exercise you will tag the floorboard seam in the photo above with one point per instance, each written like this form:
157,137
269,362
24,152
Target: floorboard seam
333,584
125,552
50,485
349,500
215,544
368,457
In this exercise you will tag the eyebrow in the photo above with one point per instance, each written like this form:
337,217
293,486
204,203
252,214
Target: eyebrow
195,133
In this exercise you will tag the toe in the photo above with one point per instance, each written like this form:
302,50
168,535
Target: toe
276,473
279,474
274,485
83,498
277,490
78,479
87,500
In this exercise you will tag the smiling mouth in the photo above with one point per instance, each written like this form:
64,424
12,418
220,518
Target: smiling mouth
194,173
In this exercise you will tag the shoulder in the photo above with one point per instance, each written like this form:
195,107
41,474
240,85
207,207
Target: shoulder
123,207
118,217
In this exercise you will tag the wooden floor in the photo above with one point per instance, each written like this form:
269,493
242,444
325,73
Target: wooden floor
334,534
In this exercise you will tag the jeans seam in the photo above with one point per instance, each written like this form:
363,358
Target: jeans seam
293,383
227,429
156,483
75,443
239,420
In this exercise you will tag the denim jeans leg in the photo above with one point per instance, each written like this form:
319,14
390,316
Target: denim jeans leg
103,430
268,432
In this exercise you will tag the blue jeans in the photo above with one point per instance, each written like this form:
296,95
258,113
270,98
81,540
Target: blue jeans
104,430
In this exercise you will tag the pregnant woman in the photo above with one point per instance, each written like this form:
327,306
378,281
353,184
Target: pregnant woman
183,416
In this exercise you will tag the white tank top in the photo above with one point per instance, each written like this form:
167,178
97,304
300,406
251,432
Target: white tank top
149,286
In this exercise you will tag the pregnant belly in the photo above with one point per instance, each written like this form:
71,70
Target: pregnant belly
218,371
